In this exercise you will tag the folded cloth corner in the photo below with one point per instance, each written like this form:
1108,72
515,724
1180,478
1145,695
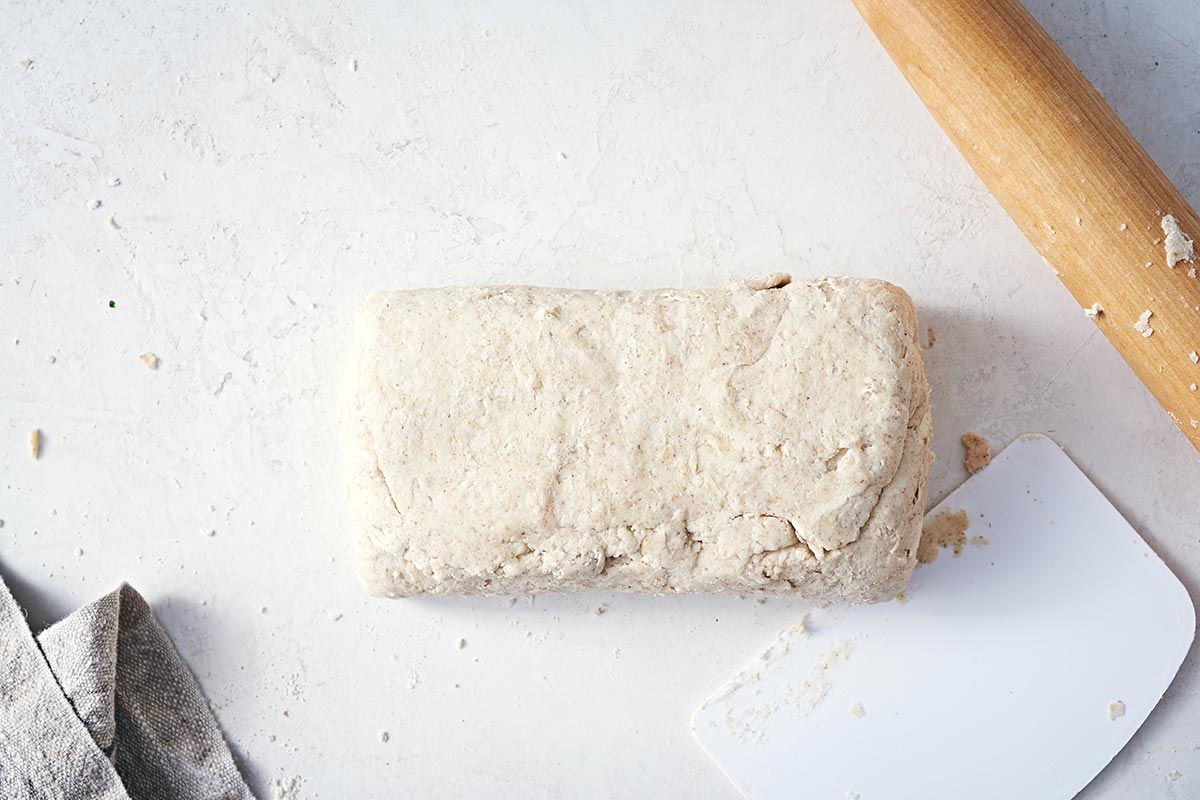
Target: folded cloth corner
101,706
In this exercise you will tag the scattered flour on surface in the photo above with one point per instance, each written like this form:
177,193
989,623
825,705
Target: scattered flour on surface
285,788
1177,244
1142,325
751,703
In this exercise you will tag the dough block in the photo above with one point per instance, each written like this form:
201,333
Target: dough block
768,437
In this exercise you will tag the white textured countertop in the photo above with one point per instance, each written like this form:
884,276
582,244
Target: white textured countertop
278,160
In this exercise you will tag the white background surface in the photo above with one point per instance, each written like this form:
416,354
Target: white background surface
265,186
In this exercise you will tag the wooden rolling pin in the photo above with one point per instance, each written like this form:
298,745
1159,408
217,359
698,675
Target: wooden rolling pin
1067,170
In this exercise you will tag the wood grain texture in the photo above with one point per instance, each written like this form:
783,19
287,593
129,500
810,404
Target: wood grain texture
1066,169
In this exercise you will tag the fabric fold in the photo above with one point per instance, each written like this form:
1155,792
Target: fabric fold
101,706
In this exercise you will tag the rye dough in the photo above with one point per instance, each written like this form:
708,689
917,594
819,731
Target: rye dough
764,437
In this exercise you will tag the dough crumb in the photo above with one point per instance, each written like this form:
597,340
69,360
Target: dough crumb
852,796
149,359
1192,272
857,711
50,359
284,788
772,280
601,609
93,205
270,737
334,616
1123,227
980,541
978,455
460,644
26,63
512,601
78,551
208,532
1177,244
948,529
1142,325
114,182
902,598
1195,357
112,222
1148,264
1094,312
35,443
352,65
930,338
1174,775
1116,709
384,736
760,601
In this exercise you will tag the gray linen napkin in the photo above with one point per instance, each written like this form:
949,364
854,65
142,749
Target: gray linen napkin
102,707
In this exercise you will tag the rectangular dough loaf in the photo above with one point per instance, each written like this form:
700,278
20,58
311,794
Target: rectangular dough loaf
766,437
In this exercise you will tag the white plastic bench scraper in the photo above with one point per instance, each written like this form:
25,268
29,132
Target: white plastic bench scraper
1017,669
